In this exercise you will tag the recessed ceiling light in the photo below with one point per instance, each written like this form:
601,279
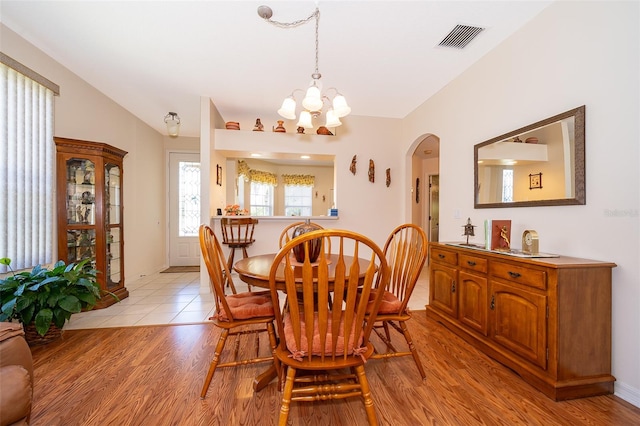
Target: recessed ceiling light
256,155
305,157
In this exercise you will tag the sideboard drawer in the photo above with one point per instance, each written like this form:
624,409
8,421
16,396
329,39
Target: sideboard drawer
522,275
474,263
444,256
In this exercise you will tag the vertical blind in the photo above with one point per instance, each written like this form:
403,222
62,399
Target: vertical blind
27,161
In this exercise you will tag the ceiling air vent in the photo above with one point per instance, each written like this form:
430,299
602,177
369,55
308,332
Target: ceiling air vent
460,36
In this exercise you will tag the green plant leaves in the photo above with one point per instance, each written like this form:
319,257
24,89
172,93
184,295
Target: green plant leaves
45,296
7,308
43,321
70,304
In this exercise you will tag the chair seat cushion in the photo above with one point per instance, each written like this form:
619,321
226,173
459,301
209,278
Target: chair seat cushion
316,348
247,305
390,303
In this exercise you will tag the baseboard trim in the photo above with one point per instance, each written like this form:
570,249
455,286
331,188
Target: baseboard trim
628,393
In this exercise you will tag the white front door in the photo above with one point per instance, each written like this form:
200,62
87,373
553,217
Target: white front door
184,209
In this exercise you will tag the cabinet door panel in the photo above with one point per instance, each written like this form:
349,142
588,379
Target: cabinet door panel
519,322
472,301
442,286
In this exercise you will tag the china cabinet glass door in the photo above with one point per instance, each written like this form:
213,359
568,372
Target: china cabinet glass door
81,219
112,224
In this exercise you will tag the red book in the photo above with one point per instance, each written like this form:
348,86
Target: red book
501,235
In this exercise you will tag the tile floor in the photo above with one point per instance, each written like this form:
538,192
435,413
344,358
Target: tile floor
175,298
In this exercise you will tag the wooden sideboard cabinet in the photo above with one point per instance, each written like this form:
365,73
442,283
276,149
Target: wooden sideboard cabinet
90,211
548,319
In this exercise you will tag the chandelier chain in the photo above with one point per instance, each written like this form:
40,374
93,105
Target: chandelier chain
286,25
317,13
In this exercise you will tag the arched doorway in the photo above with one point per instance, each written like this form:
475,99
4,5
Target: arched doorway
425,161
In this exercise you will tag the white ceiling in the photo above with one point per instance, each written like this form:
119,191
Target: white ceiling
152,57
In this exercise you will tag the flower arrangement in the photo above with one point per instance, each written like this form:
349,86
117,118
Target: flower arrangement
235,210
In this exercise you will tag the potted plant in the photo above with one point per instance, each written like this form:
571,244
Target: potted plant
44,299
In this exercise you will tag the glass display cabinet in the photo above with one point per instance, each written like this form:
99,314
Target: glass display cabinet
89,198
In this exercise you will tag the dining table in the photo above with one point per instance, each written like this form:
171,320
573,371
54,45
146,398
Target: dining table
254,270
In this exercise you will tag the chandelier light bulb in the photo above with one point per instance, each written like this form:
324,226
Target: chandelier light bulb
305,120
312,100
332,119
340,106
288,108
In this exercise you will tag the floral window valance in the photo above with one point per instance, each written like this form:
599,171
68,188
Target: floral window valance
300,180
243,169
260,176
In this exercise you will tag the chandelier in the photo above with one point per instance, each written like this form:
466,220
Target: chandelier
314,99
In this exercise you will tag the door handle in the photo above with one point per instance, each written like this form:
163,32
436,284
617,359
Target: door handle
493,302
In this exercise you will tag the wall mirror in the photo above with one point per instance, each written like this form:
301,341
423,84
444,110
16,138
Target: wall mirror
538,165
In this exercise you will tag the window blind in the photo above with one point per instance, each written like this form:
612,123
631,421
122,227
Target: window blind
27,161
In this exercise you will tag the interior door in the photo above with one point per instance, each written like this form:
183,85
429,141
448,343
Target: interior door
434,207
184,209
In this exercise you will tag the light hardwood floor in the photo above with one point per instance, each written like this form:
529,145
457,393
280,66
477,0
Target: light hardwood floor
175,298
152,375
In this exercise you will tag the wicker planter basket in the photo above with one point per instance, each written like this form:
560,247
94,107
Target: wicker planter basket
33,338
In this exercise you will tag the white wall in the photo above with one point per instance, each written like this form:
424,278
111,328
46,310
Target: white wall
572,54
82,112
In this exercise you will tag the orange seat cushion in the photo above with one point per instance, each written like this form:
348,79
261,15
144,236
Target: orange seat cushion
390,303
316,348
247,305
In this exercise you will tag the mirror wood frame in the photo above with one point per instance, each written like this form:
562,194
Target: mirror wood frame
579,197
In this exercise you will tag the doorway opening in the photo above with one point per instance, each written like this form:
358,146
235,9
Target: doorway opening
425,161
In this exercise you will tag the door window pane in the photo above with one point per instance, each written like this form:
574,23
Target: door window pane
188,198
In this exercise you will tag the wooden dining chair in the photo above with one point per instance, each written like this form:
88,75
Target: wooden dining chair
329,339
237,233
236,313
406,252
